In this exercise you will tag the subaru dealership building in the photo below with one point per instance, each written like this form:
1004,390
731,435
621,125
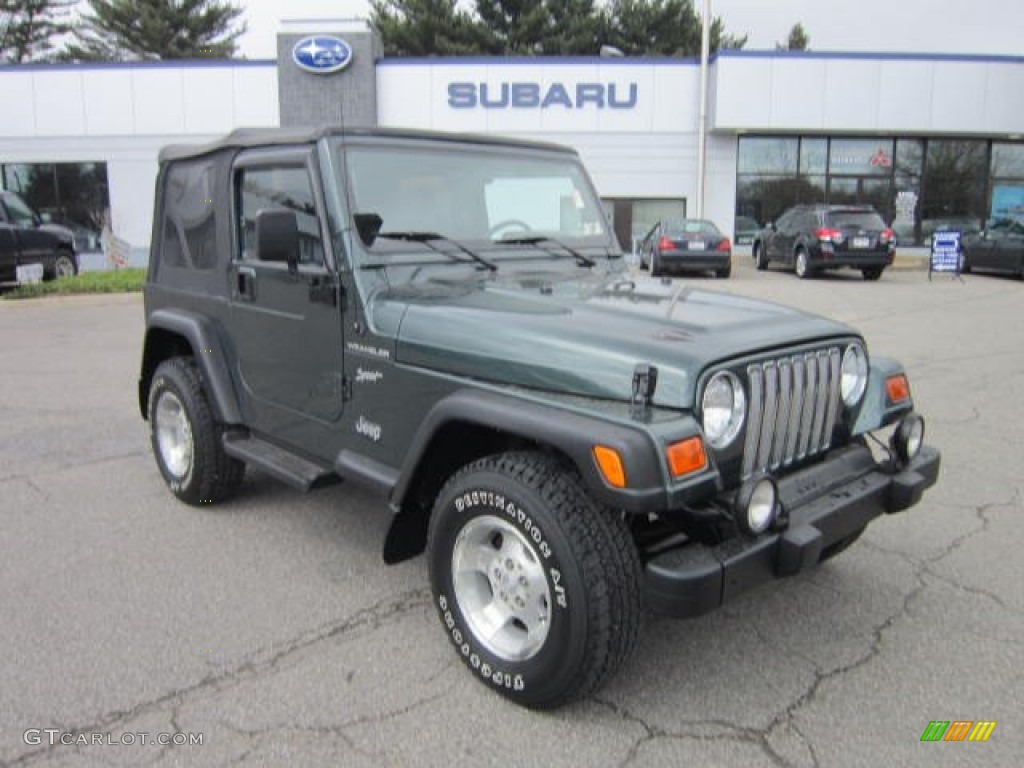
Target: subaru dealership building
929,140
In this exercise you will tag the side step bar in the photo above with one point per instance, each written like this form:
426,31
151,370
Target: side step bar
277,462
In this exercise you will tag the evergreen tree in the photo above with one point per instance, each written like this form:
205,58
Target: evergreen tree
27,28
798,39
662,28
115,30
426,28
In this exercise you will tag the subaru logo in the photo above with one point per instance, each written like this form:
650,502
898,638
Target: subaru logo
322,54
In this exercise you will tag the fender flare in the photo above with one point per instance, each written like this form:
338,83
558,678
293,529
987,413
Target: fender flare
204,340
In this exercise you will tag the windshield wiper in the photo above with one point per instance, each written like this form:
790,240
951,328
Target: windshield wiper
429,238
583,261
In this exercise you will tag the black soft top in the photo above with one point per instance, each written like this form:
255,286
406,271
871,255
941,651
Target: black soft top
244,138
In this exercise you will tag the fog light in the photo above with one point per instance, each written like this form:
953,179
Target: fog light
757,506
908,438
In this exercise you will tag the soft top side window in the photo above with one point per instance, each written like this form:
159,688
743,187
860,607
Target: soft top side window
276,186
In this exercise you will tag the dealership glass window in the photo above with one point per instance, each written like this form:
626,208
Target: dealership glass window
75,195
633,219
1007,160
763,155
860,157
813,156
953,185
1006,200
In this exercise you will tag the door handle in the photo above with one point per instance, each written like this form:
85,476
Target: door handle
321,291
246,286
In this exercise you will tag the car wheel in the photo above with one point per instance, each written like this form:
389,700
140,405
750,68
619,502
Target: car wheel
832,550
871,273
760,257
536,585
965,265
655,266
725,271
64,265
186,438
803,264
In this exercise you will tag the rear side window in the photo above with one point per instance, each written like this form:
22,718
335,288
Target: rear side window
858,219
190,217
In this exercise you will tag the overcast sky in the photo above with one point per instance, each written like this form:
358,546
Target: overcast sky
928,26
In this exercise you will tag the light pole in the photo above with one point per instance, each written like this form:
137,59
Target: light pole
705,47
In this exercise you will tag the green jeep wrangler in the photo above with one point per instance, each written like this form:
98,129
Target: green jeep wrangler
447,320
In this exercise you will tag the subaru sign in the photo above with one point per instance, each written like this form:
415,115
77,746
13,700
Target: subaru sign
533,95
322,54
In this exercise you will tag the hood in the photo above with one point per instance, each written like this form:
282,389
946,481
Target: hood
586,336
64,235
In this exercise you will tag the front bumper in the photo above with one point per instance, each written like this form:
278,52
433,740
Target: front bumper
825,503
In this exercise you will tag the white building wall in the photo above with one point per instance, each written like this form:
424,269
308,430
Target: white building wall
123,114
868,93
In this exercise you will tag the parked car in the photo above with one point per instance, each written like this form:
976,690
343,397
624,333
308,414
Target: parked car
998,248
811,238
25,241
686,245
745,230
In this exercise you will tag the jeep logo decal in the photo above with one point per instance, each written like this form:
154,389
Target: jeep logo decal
322,54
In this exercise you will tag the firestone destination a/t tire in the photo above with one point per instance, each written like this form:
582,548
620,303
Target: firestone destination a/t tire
186,438
537,587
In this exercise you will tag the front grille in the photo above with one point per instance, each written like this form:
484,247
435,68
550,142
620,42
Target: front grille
794,403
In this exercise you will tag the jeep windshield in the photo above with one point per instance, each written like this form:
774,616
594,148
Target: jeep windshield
500,200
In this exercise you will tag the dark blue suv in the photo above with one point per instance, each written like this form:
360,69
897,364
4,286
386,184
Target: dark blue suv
811,238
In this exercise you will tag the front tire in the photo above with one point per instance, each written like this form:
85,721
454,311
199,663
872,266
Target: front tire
186,438
537,586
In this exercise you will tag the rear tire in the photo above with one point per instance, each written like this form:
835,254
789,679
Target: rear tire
186,438
803,265
725,272
655,267
760,257
872,273
536,585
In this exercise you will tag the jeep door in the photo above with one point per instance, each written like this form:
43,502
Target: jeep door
285,316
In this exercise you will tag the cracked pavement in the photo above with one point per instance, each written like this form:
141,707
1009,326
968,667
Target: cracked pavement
271,626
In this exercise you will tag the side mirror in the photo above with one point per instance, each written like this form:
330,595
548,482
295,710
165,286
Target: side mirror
367,226
277,236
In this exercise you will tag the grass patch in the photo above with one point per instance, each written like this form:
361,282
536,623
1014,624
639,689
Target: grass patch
116,281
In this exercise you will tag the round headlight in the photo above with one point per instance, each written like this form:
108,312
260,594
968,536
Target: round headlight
854,374
723,408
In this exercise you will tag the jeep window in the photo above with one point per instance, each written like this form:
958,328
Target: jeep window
473,195
190,218
279,186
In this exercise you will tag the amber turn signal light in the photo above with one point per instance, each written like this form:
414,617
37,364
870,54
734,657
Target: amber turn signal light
897,388
610,463
686,456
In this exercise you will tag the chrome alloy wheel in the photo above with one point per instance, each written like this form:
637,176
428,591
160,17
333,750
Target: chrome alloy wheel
501,588
174,435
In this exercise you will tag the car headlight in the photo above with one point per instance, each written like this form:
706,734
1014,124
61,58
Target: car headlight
854,374
723,409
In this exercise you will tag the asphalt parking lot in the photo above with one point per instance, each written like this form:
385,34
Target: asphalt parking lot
270,627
